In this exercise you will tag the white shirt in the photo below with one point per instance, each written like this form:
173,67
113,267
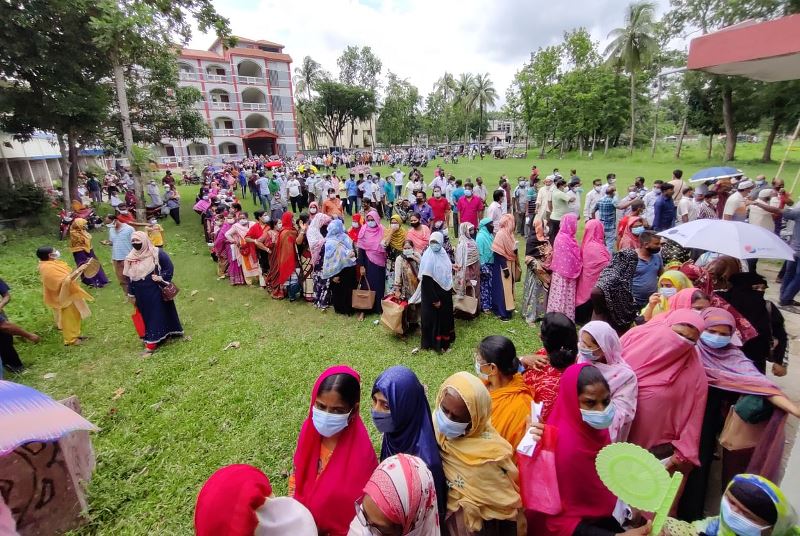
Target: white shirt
733,205
687,207
650,199
495,211
399,176
591,201
440,182
480,191
294,187
762,218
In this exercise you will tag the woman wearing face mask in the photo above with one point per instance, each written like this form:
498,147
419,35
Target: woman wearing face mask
612,296
497,365
393,240
147,267
242,264
419,234
406,281
399,500
581,417
355,228
467,262
441,227
334,457
672,387
220,246
630,235
339,267
734,380
283,260
483,496
594,258
505,262
669,284
256,236
750,506
401,413
317,228
599,345
80,244
372,259
566,266
434,294
538,255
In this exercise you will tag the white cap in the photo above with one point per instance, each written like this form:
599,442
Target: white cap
744,185
766,193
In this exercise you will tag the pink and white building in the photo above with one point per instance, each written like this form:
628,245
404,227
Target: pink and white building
247,102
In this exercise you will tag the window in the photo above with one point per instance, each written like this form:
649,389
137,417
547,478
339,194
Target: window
220,71
227,123
355,132
266,48
281,104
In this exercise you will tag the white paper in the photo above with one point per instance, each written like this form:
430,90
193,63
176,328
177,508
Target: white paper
622,513
528,443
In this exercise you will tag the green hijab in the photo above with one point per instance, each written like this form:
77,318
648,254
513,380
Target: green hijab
484,241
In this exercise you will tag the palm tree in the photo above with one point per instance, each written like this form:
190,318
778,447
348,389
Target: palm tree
485,95
307,122
634,46
464,96
445,86
308,75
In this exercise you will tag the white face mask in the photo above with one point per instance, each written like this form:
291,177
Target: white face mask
395,226
312,211
153,222
437,194
56,255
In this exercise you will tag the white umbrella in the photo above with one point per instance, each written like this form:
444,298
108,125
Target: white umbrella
734,238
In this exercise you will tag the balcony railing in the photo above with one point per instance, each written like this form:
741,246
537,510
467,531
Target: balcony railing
248,130
251,79
225,132
217,105
186,75
224,78
255,106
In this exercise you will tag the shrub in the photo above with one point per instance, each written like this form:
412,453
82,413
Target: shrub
23,200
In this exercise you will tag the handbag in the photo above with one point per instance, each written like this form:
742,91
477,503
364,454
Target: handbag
393,314
138,322
516,271
363,300
168,289
737,434
465,305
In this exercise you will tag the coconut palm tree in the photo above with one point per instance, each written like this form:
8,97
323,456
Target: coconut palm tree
485,95
634,46
308,75
464,96
445,86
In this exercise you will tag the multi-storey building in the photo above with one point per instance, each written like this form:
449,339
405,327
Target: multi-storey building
247,102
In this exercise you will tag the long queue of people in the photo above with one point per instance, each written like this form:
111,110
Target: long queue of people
454,469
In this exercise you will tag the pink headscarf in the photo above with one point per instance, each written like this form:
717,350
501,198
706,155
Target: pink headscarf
314,234
672,384
331,495
595,256
370,239
566,252
583,494
618,374
683,299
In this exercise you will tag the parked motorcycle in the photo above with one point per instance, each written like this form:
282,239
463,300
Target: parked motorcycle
66,218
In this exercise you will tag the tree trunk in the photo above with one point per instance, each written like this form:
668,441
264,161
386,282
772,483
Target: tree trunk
72,150
710,146
773,131
544,142
655,122
730,128
605,151
633,110
127,132
594,140
561,153
64,163
352,128
580,146
680,137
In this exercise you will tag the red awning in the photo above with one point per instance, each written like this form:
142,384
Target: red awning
768,51
261,133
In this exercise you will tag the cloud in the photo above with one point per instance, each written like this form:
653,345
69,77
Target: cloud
420,39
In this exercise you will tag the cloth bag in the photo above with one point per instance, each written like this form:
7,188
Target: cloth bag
363,300
738,434
392,317
537,476
465,305
138,322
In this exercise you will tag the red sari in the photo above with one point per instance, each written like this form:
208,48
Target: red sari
284,254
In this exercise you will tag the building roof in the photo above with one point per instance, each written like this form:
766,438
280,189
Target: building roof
237,51
261,133
767,51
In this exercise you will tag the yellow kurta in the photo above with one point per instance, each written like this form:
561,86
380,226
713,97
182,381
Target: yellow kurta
65,297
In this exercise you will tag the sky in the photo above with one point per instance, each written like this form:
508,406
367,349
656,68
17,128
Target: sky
421,39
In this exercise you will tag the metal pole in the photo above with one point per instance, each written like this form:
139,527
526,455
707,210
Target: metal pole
655,123
794,184
788,148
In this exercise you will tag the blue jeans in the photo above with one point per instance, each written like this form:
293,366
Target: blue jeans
398,190
351,204
611,239
791,281
264,201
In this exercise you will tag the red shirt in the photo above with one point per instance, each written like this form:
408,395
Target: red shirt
544,383
439,206
469,208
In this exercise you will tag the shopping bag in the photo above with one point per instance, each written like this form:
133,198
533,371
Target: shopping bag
537,476
138,322
363,300
465,305
392,315
738,434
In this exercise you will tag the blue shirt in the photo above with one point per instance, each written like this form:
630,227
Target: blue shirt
424,211
458,193
352,188
389,191
665,211
120,242
607,213
645,280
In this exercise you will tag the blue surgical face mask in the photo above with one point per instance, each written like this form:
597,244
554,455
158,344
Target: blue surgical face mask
599,420
372,223
714,340
738,523
435,247
668,292
328,424
449,429
588,354
468,193
637,230
383,421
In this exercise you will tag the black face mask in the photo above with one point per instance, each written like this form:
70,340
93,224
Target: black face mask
419,201
137,247
414,224
653,251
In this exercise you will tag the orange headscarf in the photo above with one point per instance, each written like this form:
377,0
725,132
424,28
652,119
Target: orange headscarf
504,243
511,406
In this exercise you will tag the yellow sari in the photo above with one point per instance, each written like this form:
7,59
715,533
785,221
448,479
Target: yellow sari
511,406
65,297
482,478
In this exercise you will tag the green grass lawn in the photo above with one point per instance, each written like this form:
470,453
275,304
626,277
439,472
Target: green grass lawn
193,407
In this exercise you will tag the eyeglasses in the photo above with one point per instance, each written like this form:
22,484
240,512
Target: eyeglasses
362,519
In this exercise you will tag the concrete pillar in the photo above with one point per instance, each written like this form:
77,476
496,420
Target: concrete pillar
30,171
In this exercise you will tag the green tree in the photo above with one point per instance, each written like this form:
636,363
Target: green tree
360,66
338,104
704,106
632,48
780,102
484,94
464,98
307,76
399,116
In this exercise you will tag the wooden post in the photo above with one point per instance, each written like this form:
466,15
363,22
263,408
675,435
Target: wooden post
788,148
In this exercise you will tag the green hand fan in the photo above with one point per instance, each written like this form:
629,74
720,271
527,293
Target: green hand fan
638,478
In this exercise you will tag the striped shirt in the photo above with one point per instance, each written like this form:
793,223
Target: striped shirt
120,242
